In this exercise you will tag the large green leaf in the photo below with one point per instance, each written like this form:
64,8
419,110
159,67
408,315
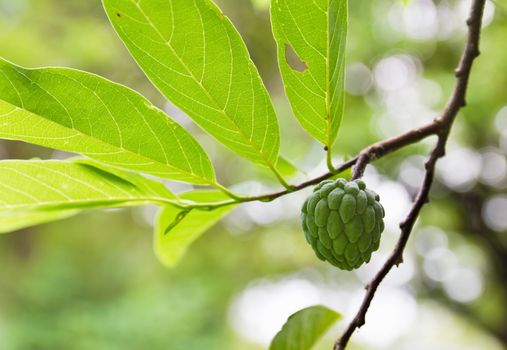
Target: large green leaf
26,186
176,230
304,328
83,113
311,38
197,59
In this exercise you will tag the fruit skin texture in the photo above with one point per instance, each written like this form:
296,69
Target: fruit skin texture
343,222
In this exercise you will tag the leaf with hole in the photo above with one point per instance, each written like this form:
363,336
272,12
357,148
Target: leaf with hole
311,37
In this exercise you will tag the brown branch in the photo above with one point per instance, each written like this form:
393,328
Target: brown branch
387,146
442,125
371,153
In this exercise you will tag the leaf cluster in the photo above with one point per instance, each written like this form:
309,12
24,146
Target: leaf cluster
196,58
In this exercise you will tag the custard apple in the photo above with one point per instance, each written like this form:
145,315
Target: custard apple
342,221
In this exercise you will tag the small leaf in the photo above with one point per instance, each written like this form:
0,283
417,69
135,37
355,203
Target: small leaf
286,168
304,328
311,41
82,113
176,230
193,54
346,174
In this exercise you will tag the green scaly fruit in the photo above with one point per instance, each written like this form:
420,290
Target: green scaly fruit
343,221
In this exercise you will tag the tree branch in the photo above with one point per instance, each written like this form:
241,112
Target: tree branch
442,126
371,153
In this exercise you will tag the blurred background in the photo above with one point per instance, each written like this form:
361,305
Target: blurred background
93,282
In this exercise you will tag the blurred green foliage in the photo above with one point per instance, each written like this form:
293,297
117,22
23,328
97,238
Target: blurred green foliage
93,282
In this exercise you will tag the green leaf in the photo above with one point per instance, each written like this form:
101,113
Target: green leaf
140,182
346,174
27,186
16,220
176,230
286,168
311,38
304,328
83,113
197,59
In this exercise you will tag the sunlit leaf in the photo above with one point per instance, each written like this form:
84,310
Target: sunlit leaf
79,112
16,220
346,174
176,230
311,37
140,182
33,192
304,328
286,168
197,59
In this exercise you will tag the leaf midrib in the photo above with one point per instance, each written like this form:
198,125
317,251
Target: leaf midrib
124,201
328,76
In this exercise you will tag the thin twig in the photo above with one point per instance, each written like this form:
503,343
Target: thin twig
372,152
443,126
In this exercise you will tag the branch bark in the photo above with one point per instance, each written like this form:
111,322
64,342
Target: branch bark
440,126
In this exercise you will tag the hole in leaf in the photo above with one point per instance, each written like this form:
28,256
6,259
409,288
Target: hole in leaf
293,59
